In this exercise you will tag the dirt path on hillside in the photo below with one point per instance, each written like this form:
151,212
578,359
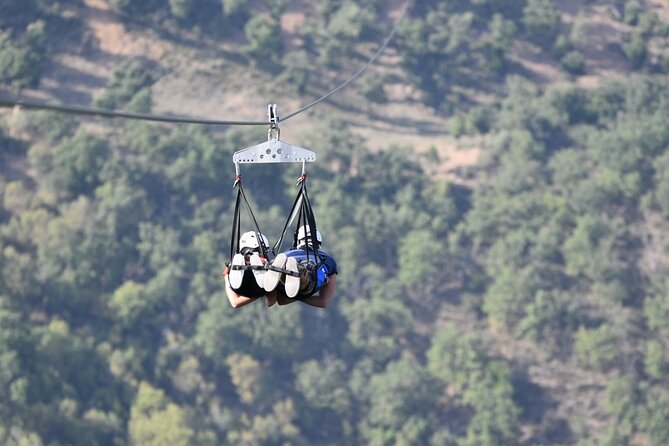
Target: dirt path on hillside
113,38
210,82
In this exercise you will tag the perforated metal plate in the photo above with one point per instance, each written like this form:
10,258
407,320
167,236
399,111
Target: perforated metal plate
273,151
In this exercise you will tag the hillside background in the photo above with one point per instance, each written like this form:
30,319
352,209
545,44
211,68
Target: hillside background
495,190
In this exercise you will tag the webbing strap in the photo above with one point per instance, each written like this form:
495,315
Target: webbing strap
247,267
284,270
234,238
308,218
236,223
305,215
276,249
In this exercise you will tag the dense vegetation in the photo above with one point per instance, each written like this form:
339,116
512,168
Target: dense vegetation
531,308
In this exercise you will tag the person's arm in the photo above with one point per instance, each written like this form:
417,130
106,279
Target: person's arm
324,295
235,299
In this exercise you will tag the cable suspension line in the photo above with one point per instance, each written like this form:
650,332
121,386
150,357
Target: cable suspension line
357,74
93,111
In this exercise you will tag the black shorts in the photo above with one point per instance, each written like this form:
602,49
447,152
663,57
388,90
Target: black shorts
249,286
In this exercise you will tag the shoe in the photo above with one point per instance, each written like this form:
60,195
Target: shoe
292,282
272,277
236,276
259,274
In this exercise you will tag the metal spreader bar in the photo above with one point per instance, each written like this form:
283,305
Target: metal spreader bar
274,150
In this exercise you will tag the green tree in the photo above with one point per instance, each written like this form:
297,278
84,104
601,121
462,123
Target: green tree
591,251
52,127
373,89
246,374
652,415
635,50
596,347
324,385
656,309
401,401
181,9
573,62
508,297
654,359
546,319
344,27
622,398
412,246
122,6
661,179
484,385
296,73
263,40
21,59
495,422
129,79
376,325
129,302
234,8
77,164
499,40
631,11
155,420
541,19
15,347
455,358
256,331
277,7
276,426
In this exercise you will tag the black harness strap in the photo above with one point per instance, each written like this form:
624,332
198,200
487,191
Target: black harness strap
234,238
308,218
305,216
276,249
248,267
236,226
284,270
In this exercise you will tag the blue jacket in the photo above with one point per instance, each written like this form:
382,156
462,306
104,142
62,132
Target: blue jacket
327,267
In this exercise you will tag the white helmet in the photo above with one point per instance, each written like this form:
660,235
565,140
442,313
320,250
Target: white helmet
304,236
249,240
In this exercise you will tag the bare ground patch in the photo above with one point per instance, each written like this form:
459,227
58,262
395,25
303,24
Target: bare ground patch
203,81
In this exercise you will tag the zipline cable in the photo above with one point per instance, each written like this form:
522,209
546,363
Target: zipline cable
357,74
92,111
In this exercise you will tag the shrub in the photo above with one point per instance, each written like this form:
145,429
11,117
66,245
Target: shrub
573,63
635,51
542,20
596,348
263,37
372,89
181,9
21,59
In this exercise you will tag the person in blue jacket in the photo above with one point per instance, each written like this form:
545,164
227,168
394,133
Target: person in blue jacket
304,273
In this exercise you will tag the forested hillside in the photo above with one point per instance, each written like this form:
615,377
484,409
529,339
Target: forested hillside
519,300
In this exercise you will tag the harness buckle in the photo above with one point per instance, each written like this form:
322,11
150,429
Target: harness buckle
238,176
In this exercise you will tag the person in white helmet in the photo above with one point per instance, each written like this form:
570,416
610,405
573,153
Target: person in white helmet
304,273
244,278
